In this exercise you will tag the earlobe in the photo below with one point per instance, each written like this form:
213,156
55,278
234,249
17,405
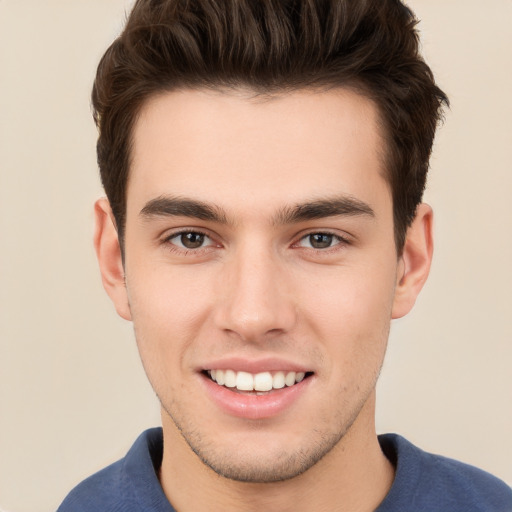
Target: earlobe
415,261
108,252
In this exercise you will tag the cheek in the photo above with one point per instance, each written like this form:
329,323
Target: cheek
168,308
351,315
349,296
167,294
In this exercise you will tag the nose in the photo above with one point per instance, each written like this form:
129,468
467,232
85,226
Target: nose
255,301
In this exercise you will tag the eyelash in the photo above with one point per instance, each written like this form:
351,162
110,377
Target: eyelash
173,247
341,242
186,251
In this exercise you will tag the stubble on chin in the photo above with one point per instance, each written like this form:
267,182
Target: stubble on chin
240,465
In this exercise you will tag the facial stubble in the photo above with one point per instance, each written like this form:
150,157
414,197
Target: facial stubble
284,465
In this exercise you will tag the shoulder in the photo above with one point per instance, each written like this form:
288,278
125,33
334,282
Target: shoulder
101,491
427,482
130,484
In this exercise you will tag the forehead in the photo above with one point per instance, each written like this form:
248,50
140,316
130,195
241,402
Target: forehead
240,149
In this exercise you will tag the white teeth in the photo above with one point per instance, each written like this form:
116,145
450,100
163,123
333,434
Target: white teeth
230,379
259,382
278,380
219,377
263,381
289,380
244,381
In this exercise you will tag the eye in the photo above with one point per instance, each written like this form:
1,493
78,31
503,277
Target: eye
190,240
320,241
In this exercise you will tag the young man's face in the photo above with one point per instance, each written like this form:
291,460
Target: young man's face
259,239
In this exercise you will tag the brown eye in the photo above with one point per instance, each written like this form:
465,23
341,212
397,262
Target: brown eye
320,240
192,240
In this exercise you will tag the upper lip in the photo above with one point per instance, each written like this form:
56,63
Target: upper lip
269,364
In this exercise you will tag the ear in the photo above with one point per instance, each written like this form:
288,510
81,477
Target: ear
108,252
414,265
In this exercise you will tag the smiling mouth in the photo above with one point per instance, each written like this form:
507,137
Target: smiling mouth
255,383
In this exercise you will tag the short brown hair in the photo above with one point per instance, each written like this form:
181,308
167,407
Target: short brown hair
273,46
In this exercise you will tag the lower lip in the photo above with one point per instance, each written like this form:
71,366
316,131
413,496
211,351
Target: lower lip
255,407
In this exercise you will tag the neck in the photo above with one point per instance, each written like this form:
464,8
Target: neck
354,476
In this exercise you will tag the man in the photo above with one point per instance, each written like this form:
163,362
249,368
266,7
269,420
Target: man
264,164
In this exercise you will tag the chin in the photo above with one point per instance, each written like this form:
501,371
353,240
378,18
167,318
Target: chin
261,457
263,468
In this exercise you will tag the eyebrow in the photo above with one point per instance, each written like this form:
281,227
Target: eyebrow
169,206
165,206
321,208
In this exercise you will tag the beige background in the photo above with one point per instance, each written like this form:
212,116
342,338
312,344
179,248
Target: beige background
73,395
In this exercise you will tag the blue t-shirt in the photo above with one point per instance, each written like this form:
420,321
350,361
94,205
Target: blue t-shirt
423,483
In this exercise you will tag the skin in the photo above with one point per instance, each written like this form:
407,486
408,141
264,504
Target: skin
257,287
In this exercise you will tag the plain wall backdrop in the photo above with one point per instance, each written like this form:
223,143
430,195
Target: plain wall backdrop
73,395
